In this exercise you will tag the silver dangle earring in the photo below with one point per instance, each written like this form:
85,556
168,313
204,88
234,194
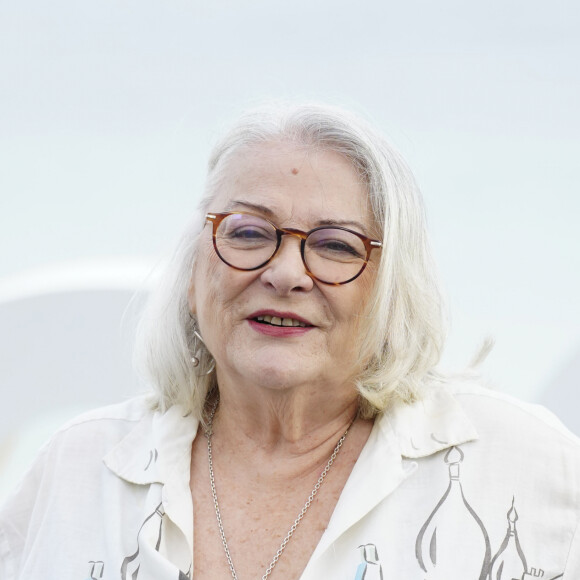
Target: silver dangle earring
196,358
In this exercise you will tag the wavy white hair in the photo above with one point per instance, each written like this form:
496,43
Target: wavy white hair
404,325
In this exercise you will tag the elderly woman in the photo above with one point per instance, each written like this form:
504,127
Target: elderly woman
298,428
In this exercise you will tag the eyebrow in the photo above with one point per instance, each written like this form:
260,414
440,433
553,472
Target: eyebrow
268,212
256,207
344,223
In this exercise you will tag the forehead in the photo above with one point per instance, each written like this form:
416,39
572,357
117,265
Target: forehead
296,183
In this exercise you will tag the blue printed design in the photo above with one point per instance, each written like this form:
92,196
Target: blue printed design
370,568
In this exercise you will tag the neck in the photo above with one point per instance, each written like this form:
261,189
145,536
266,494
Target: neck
289,421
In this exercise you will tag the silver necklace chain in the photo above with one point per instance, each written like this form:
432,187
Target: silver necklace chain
208,434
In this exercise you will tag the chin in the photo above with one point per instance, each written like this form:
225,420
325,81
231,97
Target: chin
278,376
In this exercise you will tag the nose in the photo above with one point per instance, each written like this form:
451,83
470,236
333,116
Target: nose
286,271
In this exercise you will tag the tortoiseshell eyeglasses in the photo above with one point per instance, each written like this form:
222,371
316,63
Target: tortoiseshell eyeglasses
331,254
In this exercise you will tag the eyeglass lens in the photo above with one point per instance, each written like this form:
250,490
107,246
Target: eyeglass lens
248,242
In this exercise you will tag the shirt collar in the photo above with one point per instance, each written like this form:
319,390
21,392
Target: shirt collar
406,431
156,449
435,422
161,442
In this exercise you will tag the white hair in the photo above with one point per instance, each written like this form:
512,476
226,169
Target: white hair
403,328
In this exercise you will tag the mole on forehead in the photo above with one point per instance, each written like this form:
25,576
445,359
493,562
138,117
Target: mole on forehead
295,171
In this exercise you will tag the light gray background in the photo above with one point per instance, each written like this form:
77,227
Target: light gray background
109,109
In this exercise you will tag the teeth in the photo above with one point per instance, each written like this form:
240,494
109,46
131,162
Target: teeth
277,321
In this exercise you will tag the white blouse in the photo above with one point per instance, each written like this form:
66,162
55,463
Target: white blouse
467,484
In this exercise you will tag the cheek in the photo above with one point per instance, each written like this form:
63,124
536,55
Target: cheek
205,284
352,306
218,289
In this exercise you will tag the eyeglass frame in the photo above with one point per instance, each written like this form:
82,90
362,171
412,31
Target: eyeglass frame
216,218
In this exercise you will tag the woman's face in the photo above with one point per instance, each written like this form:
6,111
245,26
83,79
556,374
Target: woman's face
293,188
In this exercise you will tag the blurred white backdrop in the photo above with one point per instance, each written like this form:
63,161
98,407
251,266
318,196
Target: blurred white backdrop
109,109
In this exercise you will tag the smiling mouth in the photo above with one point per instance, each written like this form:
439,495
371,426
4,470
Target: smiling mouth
277,321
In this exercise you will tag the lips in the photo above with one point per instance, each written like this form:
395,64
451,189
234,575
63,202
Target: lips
280,319
277,321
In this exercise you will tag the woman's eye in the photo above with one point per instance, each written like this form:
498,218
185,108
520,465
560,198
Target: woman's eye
337,248
249,234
